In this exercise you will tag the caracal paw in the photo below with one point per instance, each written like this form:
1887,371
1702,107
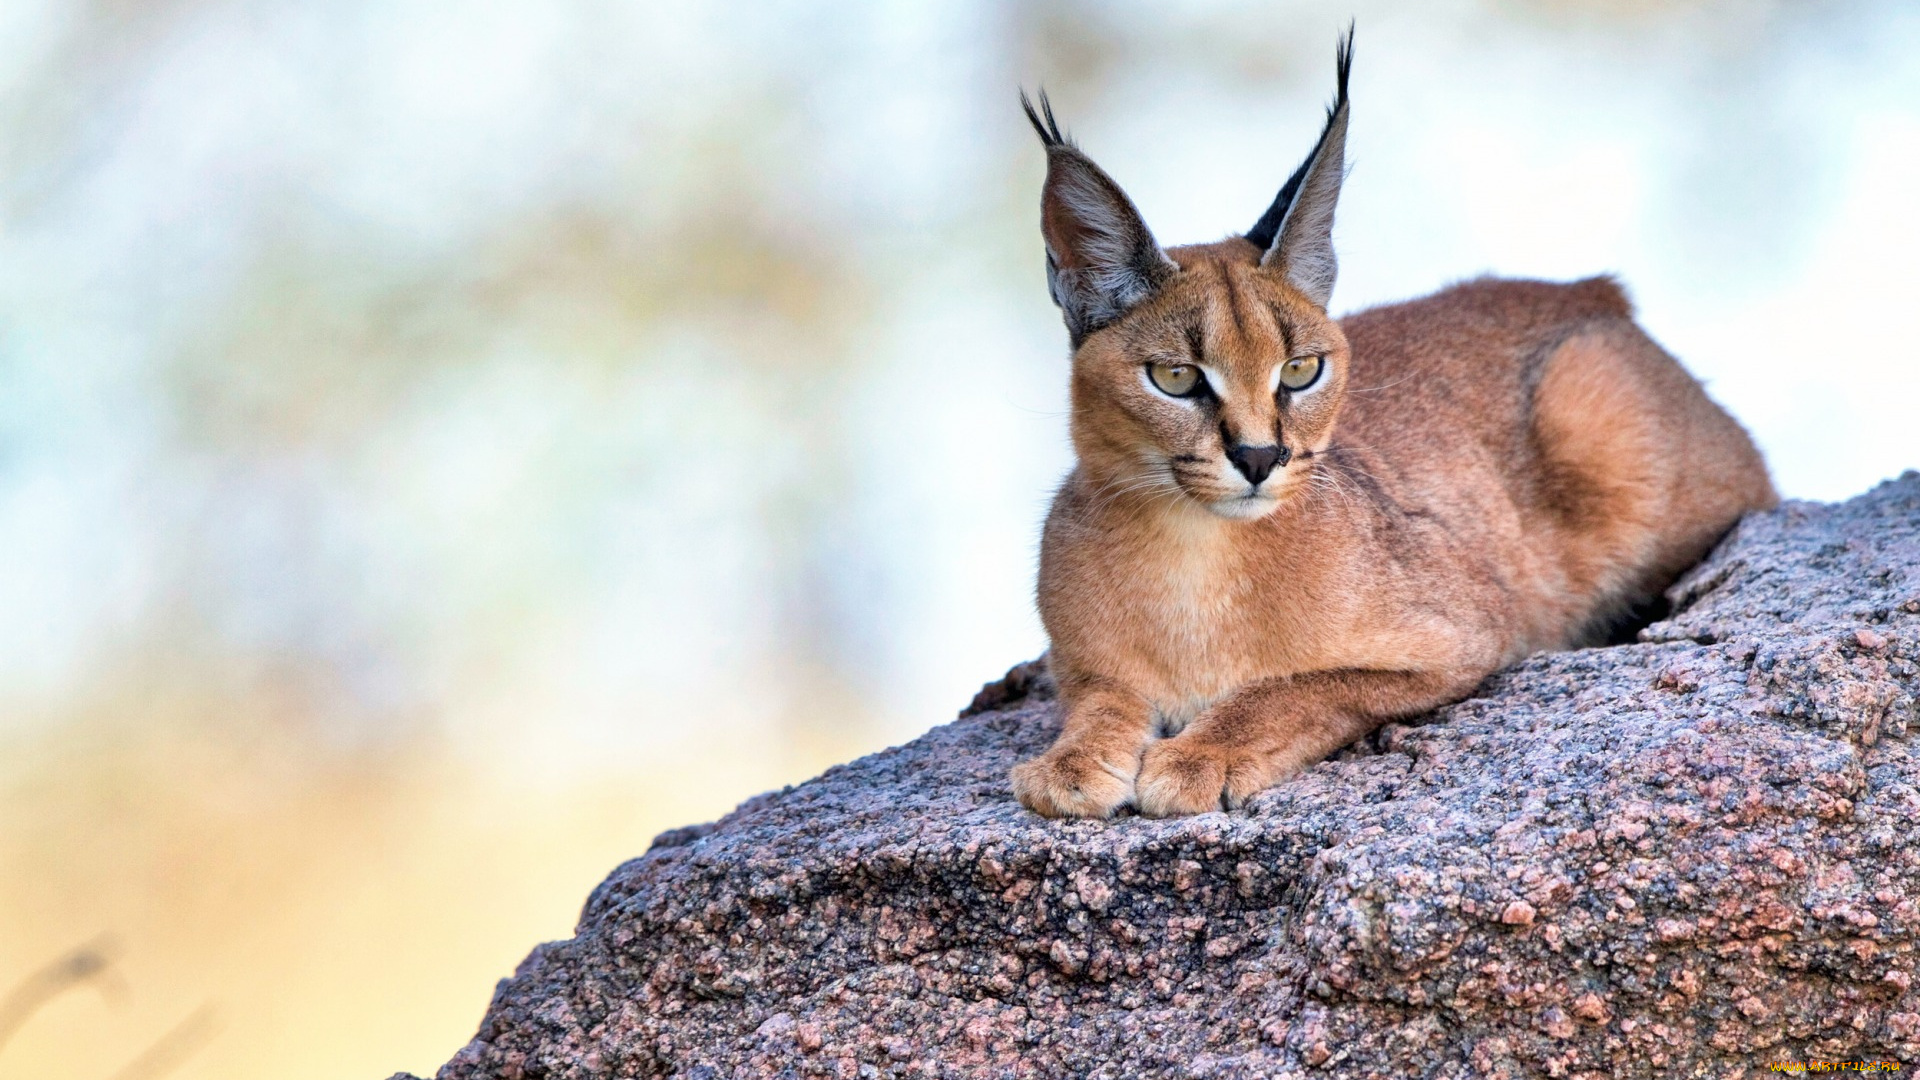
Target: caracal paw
1187,776
1072,783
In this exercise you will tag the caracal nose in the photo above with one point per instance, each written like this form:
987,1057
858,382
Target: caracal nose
1256,462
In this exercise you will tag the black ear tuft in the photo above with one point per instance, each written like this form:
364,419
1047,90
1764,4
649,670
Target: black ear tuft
1268,226
1049,130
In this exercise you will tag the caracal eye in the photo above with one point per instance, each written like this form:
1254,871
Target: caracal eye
1301,372
1177,380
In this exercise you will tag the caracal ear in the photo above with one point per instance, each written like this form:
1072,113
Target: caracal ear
1297,230
1101,258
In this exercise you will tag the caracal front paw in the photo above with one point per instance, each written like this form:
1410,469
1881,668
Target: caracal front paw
1191,776
1073,783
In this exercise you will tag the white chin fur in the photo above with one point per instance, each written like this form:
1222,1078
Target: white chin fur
1244,509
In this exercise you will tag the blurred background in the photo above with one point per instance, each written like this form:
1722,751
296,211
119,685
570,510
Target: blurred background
444,444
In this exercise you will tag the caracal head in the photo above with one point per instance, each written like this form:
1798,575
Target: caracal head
1206,376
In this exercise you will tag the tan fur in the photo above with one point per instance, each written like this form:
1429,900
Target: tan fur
1499,468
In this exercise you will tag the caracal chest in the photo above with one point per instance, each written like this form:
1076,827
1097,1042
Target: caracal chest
1198,626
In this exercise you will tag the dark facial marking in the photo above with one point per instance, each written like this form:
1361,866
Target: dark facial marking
1280,321
1233,302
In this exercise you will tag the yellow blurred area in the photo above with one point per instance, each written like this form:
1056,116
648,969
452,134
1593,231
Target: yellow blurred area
337,913
444,445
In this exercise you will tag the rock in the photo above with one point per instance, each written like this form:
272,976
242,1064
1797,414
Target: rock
1684,856
1518,913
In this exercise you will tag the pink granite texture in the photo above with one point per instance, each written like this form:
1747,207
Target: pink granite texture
1692,855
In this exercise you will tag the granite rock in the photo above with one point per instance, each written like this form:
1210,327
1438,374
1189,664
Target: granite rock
1683,856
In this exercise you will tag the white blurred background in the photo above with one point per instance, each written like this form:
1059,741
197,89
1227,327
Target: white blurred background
443,444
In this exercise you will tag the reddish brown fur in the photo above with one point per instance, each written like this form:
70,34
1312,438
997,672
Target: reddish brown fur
1516,465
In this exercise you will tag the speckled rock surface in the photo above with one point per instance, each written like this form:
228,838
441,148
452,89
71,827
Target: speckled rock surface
1690,856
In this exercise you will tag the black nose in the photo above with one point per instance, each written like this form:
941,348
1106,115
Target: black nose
1256,462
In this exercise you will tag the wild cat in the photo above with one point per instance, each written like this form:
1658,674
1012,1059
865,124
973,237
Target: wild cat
1284,530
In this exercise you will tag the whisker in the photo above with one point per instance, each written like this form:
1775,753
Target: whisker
1347,494
1352,469
1155,484
1325,485
1346,465
1385,386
